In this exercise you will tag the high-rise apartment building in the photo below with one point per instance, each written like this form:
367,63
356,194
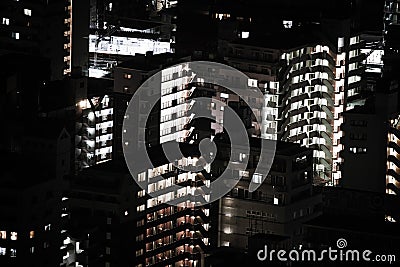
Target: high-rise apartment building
278,207
308,81
371,135
121,30
391,12
76,32
184,233
21,26
32,197
101,206
52,29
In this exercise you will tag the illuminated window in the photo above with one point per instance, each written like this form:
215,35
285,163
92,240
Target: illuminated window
223,95
28,12
141,193
252,82
2,251
139,237
245,35
31,234
13,236
225,243
139,252
141,208
354,40
358,150
47,227
142,177
287,24
15,35
6,21
257,178
32,250
3,235
227,230
127,76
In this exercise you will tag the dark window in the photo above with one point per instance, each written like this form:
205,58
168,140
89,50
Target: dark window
360,123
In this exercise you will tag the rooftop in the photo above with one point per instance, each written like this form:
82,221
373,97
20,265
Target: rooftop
150,62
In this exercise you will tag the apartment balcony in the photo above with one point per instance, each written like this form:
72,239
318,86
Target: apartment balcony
102,144
395,146
300,84
389,8
328,138
324,69
67,52
358,71
313,134
285,135
298,111
327,124
303,57
327,151
395,131
297,137
88,123
298,124
394,160
359,45
323,55
300,71
287,107
299,98
359,84
156,235
177,258
323,95
359,58
87,149
328,84
108,130
394,174
153,222
326,163
175,243
328,110
393,188
104,118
